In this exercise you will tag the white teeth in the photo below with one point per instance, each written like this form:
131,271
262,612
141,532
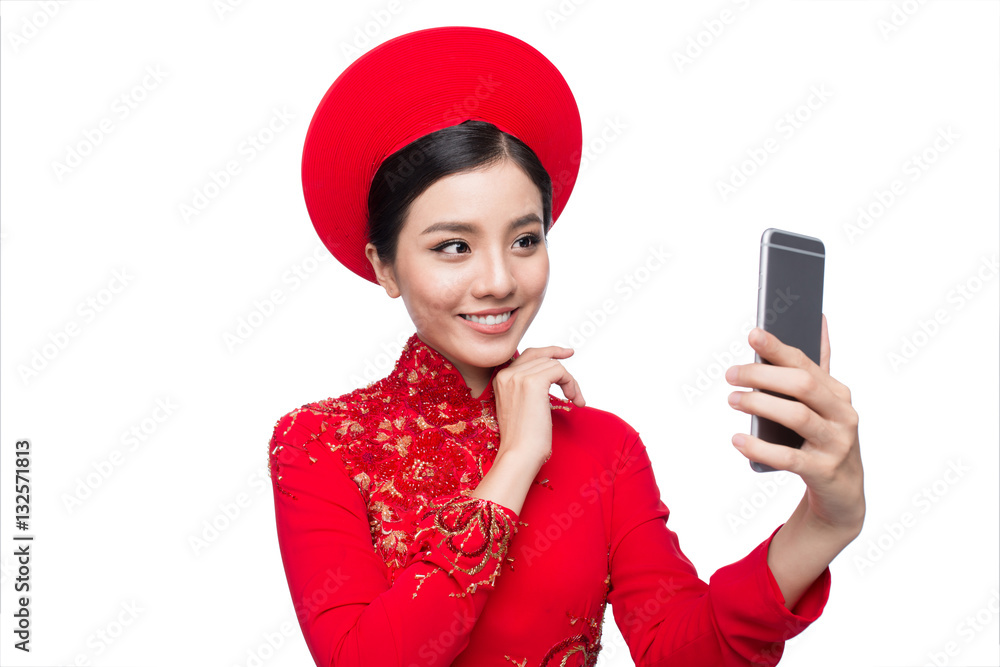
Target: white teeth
489,319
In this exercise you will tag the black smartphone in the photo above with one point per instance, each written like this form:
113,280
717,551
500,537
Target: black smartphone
790,306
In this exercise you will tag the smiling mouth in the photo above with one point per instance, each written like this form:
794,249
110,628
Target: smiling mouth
490,320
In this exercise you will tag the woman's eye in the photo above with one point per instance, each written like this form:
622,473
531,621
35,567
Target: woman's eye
530,237
441,247
533,238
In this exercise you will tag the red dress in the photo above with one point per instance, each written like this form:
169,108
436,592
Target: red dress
390,561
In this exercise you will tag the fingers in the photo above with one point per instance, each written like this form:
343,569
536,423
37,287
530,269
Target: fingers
779,457
793,414
837,387
543,363
548,352
768,346
570,387
795,382
553,372
834,403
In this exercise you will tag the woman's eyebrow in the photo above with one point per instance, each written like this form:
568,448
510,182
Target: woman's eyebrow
467,228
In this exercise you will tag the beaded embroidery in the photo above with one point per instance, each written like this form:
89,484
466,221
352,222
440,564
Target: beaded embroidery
476,519
416,443
586,642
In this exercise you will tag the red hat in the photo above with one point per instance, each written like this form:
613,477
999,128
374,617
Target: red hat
413,85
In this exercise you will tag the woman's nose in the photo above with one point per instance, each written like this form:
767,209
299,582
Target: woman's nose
494,276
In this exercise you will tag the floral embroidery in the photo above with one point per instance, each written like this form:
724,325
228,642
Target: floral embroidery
425,468
487,525
416,443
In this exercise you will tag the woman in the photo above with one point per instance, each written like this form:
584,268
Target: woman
455,512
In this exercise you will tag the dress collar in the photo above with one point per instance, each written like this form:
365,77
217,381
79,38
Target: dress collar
434,386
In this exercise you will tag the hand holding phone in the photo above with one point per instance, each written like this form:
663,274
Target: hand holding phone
790,306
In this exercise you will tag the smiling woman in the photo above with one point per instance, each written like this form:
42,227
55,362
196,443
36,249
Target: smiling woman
455,512
461,240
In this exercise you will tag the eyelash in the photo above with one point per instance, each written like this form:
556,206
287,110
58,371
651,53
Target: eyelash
535,240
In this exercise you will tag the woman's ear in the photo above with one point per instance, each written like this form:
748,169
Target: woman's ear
383,272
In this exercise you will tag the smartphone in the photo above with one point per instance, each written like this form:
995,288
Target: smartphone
790,306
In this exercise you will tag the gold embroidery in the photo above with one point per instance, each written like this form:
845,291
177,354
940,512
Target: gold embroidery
587,642
485,523
411,443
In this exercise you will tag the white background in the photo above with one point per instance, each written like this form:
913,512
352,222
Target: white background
662,134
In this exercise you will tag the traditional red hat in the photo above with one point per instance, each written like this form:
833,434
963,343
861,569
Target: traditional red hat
413,85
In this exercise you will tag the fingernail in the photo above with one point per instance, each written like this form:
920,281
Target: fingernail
739,440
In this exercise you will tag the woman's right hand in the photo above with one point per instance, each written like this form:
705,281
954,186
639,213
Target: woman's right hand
522,399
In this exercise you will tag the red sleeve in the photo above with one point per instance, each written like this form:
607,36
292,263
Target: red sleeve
667,615
349,611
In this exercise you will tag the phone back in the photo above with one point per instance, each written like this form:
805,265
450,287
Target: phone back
790,306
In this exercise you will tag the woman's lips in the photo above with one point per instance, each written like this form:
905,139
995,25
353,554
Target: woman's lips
492,328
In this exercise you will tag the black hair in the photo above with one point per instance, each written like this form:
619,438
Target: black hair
405,174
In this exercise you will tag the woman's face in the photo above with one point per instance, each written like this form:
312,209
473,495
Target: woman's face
471,242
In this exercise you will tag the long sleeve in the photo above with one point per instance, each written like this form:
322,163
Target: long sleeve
667,615
349,611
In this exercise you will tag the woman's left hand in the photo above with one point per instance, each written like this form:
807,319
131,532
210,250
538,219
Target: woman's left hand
829,461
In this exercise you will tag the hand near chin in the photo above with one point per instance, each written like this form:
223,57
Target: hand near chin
524,412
